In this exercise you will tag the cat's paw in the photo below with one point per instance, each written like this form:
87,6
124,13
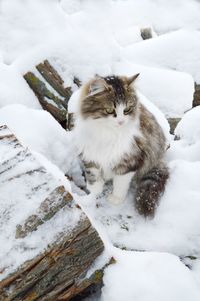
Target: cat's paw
113,199
96,188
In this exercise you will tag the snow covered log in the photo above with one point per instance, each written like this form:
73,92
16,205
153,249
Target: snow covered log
48,243
54,79
48,100
56,105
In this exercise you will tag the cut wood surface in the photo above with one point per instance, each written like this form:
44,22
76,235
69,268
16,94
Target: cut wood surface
49,243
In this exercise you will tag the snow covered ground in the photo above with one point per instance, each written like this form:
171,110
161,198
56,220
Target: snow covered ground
85,37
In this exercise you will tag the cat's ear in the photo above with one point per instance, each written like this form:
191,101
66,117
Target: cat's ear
97,85
131,80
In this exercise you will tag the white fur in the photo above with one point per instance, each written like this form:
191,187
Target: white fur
104,141
121,118
97,187
120,188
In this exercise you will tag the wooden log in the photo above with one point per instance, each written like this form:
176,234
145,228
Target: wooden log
59,268
54,79
196,99
57,106
146,33
47,99
58,273
173,122
56,200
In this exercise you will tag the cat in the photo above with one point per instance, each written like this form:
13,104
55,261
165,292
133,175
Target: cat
119,139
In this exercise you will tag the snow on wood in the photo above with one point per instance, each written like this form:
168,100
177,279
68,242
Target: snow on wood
48,243
47,99
54,79
56,105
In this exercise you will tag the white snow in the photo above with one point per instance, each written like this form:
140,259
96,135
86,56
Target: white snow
179,50
188,130
147,276
39,131
84,38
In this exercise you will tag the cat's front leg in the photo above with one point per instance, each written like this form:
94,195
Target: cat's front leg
121,185
94,178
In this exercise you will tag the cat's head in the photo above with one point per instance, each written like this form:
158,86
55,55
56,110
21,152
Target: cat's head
112,99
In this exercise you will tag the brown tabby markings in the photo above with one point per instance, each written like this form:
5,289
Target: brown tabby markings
118,88
116,91
146,159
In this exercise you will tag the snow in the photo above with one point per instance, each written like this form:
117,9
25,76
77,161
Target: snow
84,38
177,50
17,91
38,130
188,131
168,231
130,35
147,276
189,128
171,91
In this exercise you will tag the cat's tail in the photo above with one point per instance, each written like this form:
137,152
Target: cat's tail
150,188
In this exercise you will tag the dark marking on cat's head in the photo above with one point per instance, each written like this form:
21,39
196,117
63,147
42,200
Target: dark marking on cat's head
102,95
118,87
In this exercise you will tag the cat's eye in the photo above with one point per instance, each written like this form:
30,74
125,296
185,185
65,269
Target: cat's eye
109,110
127,110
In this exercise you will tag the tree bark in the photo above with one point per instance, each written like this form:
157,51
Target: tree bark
59,271
173,122
196,99
51,103
57,106
54,79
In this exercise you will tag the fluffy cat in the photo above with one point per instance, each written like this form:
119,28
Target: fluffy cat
120,139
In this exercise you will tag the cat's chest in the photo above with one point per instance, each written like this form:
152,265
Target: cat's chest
105,146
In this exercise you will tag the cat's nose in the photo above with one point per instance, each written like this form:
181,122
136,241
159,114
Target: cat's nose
120,122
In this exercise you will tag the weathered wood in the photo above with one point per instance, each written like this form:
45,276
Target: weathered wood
146,33
57,106
196,99
57,199
47,99
57,274
57,271
54,79
173,124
